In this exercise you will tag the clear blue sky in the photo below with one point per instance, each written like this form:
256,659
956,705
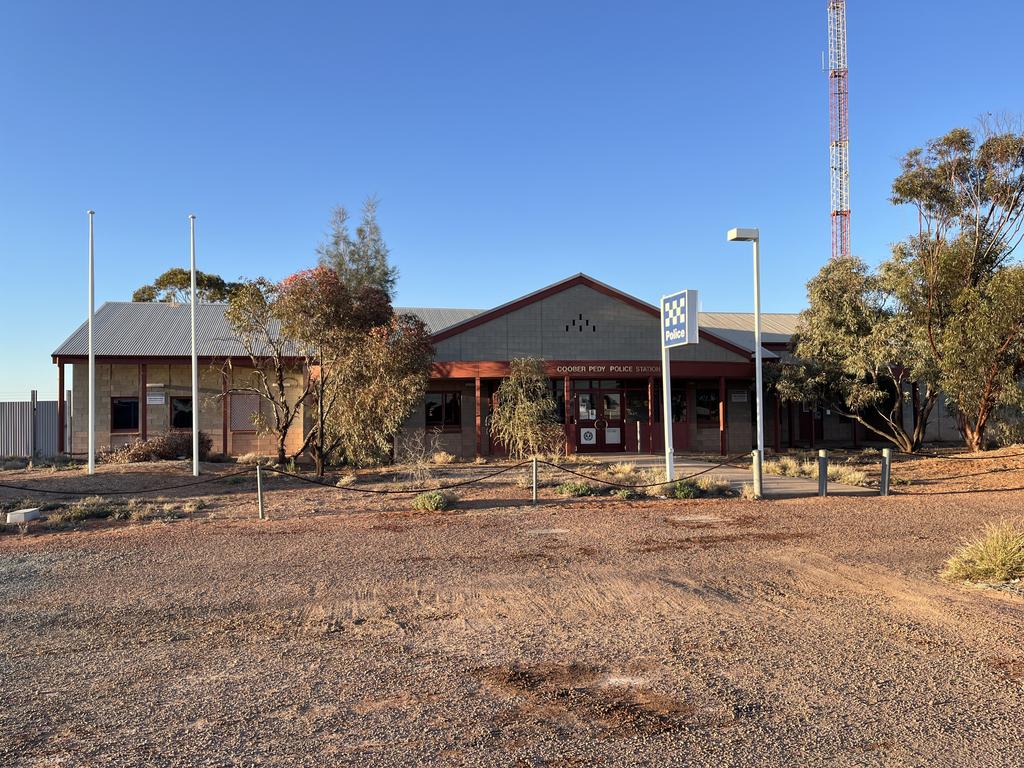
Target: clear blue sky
510,144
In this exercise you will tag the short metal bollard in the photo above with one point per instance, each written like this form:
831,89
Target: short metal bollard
823,472
534,469
883,486
758,480
259,492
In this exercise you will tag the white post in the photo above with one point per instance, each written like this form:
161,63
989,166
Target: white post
757,351
92,356
666,409
195,359
33,445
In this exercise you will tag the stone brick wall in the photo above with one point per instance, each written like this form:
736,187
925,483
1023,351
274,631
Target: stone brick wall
124,380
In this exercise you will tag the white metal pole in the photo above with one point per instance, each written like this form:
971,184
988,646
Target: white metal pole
195,359
92,355
666,406
757,349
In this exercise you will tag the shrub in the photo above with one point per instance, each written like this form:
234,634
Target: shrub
997,555
91,507
442,457
841,473
577,488
165,446
714,485
626,494
623,470
345,480
433,501
685,489
747,492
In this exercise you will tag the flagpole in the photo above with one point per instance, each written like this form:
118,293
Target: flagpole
195,359
92,354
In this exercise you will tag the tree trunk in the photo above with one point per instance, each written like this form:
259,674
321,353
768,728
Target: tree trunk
281,456
974,434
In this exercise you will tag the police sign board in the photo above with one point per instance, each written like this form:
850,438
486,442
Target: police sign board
679,323
679,326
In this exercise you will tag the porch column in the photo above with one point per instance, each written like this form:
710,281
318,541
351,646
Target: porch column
777,441
650,414
477,417
789,422
224,412
567,395
814,420
722,436
60,408
142,402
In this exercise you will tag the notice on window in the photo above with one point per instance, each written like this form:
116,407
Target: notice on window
613,435
588,436
155,398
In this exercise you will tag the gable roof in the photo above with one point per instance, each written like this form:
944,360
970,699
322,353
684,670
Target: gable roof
162,329
511,306
733,330
159,329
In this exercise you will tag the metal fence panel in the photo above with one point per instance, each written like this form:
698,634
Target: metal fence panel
16,428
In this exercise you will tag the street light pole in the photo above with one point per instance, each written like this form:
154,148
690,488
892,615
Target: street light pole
750,234
91,447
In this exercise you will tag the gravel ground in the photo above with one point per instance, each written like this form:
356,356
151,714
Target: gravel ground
347,631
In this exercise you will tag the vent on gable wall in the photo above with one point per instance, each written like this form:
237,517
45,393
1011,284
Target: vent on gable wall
580,324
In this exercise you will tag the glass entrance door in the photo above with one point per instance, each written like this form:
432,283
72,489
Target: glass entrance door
599,420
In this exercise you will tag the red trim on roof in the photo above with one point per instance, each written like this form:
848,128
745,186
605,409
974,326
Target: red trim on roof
532,298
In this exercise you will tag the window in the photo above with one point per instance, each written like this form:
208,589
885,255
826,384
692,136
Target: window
244,408
181,413
707,407
124,414
443,409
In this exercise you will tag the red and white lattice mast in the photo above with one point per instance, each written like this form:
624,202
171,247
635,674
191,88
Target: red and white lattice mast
839,128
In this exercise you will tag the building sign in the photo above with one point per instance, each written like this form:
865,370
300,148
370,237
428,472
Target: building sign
155,398
679,319
601,369
588,436
739,395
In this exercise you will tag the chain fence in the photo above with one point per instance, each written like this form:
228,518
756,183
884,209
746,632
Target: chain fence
605,481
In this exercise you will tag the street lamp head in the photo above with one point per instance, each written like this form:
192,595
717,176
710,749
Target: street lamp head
742,234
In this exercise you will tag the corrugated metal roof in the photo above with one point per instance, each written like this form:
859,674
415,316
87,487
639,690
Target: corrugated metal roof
137,329
738,327
156,329
439,318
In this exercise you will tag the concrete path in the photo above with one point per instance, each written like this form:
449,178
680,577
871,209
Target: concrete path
775,486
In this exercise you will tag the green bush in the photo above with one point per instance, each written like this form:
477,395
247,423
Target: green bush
577,488
433,501
685,489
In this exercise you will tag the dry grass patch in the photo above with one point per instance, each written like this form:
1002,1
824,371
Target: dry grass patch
997,555
442,457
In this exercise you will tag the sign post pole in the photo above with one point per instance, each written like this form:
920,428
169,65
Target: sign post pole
666,408
679,326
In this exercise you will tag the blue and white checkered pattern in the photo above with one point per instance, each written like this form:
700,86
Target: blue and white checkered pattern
679,316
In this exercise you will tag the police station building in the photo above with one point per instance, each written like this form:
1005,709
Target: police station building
601,348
